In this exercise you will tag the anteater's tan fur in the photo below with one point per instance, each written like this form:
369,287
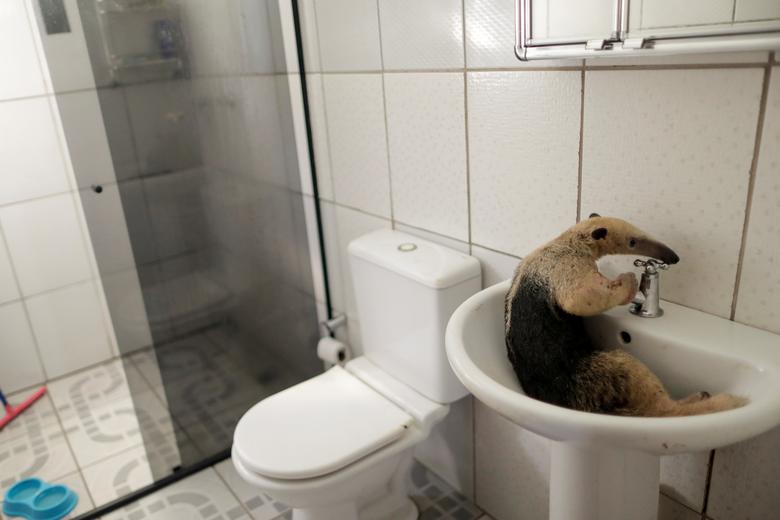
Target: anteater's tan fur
609,381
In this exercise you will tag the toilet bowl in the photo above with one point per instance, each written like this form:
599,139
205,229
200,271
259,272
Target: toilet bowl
339,445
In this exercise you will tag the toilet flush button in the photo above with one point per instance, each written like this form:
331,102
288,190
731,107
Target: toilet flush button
406,247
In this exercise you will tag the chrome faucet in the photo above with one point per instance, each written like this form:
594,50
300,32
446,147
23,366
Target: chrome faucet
647,302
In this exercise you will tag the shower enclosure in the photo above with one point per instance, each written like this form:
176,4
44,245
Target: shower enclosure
186,130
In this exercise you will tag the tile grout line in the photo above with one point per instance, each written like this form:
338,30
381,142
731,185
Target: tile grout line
23,301
384,114
476,244
666,66
466,125
581,141
751,183
230,489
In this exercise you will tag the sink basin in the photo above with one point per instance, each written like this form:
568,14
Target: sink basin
617,458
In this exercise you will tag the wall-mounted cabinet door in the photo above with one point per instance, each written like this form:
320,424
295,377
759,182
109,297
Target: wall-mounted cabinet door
659,18
564,21
608,28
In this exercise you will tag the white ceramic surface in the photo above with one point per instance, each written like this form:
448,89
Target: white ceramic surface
689,350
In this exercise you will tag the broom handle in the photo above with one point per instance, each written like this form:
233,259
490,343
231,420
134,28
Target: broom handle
2,400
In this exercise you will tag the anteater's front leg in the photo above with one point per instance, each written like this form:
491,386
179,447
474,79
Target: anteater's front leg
596,293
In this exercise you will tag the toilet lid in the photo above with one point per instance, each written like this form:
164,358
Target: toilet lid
317,427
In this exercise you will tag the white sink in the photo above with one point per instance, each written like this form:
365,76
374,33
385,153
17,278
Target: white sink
606,467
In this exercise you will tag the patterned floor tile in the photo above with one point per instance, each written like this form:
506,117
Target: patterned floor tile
98,431
437,499
259,505
42,452
201,496
76,483
39,414
95,386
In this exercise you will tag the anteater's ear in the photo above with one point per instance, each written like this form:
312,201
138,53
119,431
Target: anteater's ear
594,215
599,233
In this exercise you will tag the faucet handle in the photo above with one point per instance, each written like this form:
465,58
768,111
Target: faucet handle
651,265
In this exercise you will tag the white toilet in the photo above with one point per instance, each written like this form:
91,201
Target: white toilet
339,446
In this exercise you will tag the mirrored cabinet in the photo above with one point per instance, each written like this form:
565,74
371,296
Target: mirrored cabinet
549,29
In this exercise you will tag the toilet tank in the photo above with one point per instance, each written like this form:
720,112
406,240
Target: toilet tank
406,290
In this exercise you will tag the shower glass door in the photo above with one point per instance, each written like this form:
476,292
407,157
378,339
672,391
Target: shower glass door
185,143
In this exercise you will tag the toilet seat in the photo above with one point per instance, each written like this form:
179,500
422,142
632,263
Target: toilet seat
317,427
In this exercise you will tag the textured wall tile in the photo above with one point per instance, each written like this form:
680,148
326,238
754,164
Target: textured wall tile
358,145
512,468
8,287
684,478
30,155
452,243
46,243
670,151
449,450
523,145
421,35
744,480
490,37
22,368
756,10
426,131
319,131
22,75
348,34
496,267
68,325
669,509
758,302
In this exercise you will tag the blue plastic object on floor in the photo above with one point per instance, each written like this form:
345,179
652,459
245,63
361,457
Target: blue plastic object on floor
34,499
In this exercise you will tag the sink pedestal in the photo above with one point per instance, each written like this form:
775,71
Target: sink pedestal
595,483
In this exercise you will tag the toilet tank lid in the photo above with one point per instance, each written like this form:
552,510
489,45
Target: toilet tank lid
428,263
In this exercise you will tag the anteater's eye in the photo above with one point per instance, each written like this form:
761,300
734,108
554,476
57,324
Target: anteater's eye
632,243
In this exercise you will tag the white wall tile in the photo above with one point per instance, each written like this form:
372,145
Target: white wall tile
759,288
650,138
68,325
523,146
21,367
349,35
67,57
512,468
744,480
421,35
669,509
684,478
46,243
22,74
452,243
709,58
30,155
490,37
8,288
85,134
426,134
319,131
358,145
496,267
449,450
